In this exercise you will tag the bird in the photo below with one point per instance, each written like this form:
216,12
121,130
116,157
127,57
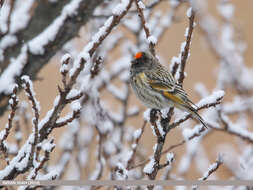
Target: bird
156,87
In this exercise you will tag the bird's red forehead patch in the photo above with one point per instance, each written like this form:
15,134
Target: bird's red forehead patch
138,55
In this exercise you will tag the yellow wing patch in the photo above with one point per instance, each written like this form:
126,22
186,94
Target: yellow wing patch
173,97
159,86
163,88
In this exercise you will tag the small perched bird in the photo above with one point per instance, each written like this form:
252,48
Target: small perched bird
155,86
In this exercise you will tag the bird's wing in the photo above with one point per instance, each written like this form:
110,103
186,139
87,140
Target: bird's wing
161,86
160,82
170,90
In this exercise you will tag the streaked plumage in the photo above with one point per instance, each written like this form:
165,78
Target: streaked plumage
155,86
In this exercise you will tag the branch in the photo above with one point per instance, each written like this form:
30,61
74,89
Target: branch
95,69
137,135
152,168
212,168
69,29
68,119
47,124
161,126
48,148
230,128
170,160
151,39
205,103
13,102
185,52
65,61
88,51
27,84
231,58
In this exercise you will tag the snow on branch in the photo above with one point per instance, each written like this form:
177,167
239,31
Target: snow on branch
20,17
151,39
27,85
211,169
13,102
24,159
45,25
7,78
36,45
69,118
47,147
185,47
205,103
233,129
225,47
119,12
137,136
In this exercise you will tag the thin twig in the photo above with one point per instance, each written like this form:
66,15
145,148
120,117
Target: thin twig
35,106
18,133
95,69
176,123
145,27
134,149
64,68
115,21
48,126
165,121
150,6
75,115
43,161
212,168
185,52
13,102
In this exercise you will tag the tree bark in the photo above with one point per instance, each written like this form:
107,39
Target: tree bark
44,14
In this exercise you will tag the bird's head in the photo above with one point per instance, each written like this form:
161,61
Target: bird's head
143,61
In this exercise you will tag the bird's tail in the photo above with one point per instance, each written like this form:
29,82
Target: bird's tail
195,114
199,118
